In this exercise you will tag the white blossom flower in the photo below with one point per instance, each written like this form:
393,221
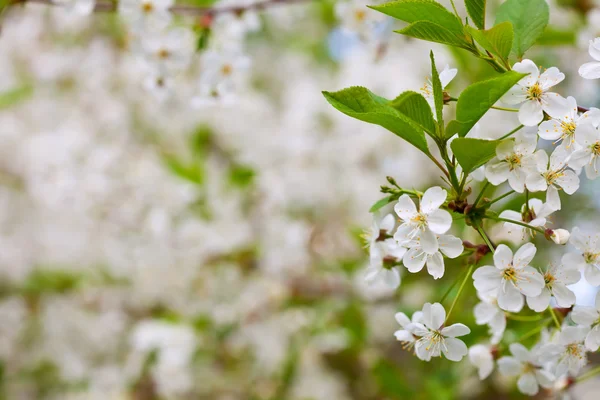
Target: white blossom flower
525,364
556,279
591,70
416,257
446,76
480,356
588,139
513,162
436,339
383,260
560,236
536,215
587,258
379,230
568,352
169,51
488,313
589,317
425,222
406,335
562,129
532,93
145,15
553,176
77,7
511,276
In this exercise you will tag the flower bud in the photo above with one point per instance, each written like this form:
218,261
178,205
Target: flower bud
560,236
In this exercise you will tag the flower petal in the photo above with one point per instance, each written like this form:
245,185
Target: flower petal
454,349
433,315
451,246
527,384
405,208
524,255
414,259
435,265
530,282
541,302
564,296
590,70
455,330
531,113
432,199
439,221
487,278
510,299
503,257
527,67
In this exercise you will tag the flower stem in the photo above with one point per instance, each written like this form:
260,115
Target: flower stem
450,288
485,237
440,166
512,221
554,317
588,374
505,109
500,197
480,195
460,289
509,134
524,318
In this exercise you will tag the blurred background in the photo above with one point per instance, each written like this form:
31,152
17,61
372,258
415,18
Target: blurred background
153,249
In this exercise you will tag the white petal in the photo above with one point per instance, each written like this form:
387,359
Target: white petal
446,75
487,278
421,350
580,158
592,340
451,246
590,70
414,259
455,330
520,352
433,315
516,95
551,77
481,357
405,208
404,336
550,130
569,182
530,282
541,302
524,255
531,113
391,277
584,316
510,299
402,319
592,275
573,260
497,173
545,378
439,221
564,296
503,257
554,104
509,366
535,182
553,198
527,67
454,349
387,223
428,242
432,199
527,384
435,265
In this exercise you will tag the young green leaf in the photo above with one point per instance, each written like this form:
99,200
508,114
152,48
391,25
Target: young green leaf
433,32
422,10
473,153
415,107
476,10
382,203
438,93
358,102
477,99
528,18
497,40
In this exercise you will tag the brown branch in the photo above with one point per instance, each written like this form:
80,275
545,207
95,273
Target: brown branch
181,9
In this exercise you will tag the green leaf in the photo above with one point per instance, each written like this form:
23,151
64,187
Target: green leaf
528,17
555,37
15,96
358,102
422,10
241,176
415,107
476,10
433,32
438,93
473,153
477,99
497,40
382,203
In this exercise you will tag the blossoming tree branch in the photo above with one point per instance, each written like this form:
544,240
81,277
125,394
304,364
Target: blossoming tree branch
416,235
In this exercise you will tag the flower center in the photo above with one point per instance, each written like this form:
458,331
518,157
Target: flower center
574,350
595,148
360,15
510,274
226,69
534,92
147,7
514,161
420,220
552,176
435,340
163,54
590,258
549,278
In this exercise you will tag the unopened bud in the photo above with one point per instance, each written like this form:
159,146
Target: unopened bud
560,236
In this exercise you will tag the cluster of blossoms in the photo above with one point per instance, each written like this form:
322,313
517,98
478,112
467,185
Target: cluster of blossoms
504,288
